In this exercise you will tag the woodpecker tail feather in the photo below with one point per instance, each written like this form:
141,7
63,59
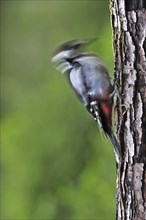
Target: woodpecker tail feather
105,125
115,144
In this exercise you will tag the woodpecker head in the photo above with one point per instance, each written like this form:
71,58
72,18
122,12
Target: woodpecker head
67,52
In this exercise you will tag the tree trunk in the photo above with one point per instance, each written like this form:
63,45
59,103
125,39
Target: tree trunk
129,26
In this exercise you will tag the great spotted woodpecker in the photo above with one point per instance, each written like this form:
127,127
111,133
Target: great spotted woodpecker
90,81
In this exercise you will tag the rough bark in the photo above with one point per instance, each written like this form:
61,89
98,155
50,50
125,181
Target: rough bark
129,25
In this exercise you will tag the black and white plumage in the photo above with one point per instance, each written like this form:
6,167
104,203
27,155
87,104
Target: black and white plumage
90,81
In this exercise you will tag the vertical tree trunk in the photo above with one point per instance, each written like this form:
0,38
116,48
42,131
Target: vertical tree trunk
129,27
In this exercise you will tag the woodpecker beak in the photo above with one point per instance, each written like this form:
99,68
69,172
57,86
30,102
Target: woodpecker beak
60,63
62,55
58,57
63,67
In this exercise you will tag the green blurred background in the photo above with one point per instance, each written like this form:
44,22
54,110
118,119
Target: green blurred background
54,162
